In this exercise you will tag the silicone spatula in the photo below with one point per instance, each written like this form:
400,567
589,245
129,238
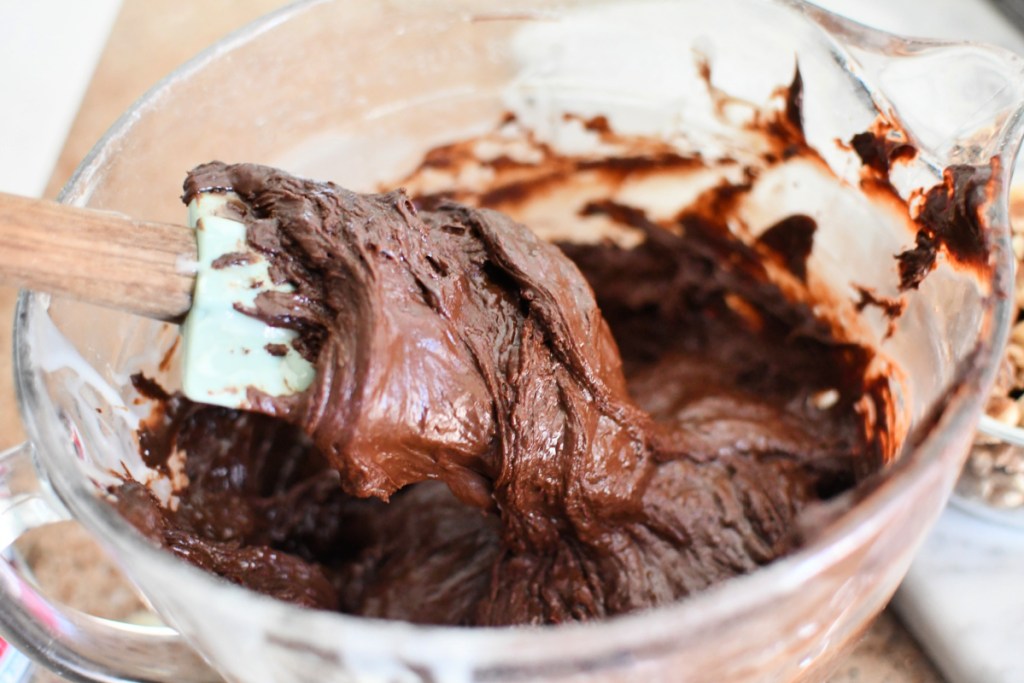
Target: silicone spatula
167,272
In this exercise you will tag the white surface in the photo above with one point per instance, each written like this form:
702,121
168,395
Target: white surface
48,51
964,599
14,666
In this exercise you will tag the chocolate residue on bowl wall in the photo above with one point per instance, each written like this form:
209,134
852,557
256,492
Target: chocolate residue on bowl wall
952,221
882,147
636,409
950,217
791,239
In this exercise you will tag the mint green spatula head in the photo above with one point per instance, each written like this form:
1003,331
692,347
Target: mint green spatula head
226,352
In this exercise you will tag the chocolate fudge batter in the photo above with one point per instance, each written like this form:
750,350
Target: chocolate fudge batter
502,430
505,429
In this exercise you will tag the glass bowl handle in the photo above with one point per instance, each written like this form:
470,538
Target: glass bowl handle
960,103
74,645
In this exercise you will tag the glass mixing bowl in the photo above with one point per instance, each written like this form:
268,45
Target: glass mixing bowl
356,92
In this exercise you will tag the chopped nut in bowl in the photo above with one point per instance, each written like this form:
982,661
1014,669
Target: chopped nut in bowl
992,483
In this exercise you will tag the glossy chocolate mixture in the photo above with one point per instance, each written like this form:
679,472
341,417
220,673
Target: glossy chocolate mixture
508,430
502,431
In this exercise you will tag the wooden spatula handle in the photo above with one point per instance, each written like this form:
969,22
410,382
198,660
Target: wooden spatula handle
97,256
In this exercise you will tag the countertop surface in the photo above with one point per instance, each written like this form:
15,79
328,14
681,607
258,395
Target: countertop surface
147,40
